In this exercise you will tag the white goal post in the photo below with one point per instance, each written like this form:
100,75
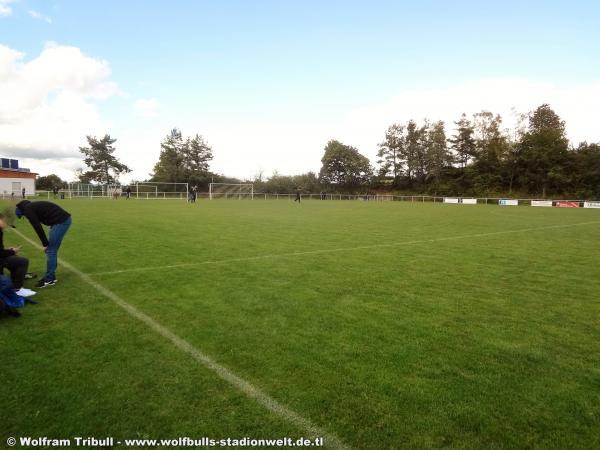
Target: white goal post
150,190
239,191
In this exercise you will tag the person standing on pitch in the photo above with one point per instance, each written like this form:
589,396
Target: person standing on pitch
16,265
298,198
128,193
23,192
58,220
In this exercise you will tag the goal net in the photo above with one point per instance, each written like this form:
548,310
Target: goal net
156,190
79,190
239,191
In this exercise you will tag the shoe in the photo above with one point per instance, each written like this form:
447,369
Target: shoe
24,292
45,283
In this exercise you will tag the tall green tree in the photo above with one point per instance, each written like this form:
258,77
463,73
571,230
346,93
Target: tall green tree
344,166
437,155
463,141
392,152
197,155
491,145
99,156
415,148
183,160
545,154
510,163
170,167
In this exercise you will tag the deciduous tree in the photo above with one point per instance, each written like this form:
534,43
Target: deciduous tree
344,166
104,166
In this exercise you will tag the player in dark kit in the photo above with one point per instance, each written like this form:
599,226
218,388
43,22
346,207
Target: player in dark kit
298,197
58,220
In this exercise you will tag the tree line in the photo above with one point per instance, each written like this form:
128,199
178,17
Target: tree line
481,157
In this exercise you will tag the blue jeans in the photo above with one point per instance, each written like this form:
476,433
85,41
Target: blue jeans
57,233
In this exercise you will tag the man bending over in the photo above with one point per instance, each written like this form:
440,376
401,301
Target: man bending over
58,220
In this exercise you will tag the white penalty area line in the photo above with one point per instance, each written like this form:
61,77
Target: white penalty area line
221,371
341,249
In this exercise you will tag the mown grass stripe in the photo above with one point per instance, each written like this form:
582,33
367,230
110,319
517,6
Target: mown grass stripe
221,371
343,249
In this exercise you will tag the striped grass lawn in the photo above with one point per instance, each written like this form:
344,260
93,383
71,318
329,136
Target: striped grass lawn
389,325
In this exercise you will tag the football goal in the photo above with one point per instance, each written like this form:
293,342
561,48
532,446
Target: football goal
149,190
88,190
238,191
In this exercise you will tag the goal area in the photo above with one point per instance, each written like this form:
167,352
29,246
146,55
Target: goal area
231,191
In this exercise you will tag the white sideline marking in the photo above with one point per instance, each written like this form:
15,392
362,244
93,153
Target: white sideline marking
241,384
342,249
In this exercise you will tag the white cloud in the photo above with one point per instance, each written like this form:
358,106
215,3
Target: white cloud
49,104
5,9
147,107
39,16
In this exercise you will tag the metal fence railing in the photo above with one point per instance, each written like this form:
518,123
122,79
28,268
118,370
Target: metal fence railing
504,201
150,195
154,195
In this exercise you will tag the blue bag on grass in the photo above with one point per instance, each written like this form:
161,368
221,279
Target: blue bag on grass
7,294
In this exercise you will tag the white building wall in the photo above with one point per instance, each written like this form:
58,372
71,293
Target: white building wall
9,185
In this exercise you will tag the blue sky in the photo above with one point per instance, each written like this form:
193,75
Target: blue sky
225,64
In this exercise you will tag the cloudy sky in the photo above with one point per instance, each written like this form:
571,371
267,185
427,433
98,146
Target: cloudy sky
268,83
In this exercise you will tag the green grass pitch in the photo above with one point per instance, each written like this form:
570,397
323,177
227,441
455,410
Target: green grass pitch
390,325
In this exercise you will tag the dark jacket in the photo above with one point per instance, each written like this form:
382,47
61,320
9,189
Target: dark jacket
42,212
4,252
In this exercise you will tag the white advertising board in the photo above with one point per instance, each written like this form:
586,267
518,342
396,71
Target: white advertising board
508,202
469,201
546,203
450,200
591,204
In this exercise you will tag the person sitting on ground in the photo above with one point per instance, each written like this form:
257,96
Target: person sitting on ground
58,220
16,265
